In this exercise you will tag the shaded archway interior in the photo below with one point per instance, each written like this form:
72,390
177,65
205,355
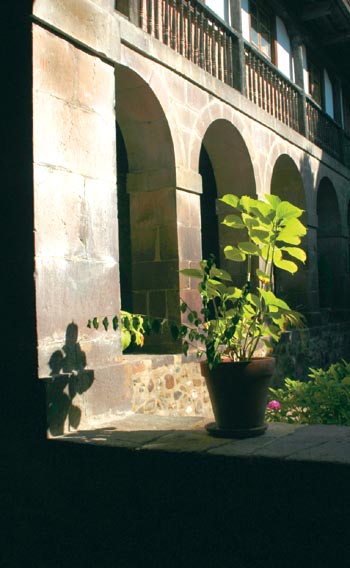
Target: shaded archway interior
146,201
286,183
330,253
231,171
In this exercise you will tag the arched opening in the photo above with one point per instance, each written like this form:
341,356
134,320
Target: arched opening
124,230
330,256
230,171
287,184
210,233
146,203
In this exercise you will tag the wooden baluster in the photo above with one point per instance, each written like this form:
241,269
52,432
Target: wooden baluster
149,16
173,25
189,30
166,23
141,14
196,34
156,18
219,55
201,42
224,50
255,80
230,61
206,46
182,28
249,75
259,73
213,50
268,90
264,88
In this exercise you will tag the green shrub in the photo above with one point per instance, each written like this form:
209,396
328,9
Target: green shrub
323,399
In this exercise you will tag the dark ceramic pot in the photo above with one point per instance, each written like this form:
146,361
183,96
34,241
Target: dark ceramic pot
238,393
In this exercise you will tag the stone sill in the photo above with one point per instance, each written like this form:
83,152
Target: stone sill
318,444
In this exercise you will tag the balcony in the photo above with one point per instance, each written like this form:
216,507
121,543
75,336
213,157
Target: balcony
194,31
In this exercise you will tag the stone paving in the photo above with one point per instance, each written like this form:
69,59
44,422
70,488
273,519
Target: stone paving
188,435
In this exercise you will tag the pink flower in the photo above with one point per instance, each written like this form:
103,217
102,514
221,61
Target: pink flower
274,405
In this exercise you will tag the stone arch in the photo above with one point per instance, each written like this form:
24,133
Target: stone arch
233,172
287,183
147,194
331,254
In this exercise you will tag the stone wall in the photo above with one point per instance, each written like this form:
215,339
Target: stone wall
168,384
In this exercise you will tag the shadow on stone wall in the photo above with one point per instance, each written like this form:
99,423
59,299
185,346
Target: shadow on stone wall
68,378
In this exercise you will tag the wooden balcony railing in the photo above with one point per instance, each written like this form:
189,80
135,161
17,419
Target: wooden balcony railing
270,90
323,131
194,31
191,29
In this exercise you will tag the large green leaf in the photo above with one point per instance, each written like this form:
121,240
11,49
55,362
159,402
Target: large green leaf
262,209
248,248
259,236
230,199
219,273
274,200
283,264
271,300
126,338
286,210
247,202
233,253
218,286
295,252
255,300
291,232
233,221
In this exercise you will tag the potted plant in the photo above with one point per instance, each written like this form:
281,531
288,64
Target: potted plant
235,322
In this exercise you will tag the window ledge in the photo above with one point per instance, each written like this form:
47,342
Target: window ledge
187,435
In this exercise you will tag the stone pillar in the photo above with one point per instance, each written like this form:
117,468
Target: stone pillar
76,231
311,272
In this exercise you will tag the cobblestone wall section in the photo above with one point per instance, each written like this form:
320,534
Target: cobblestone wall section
168,385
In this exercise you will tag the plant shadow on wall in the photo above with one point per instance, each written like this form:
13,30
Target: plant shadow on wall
68,378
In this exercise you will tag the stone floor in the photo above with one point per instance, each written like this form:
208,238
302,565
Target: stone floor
317,443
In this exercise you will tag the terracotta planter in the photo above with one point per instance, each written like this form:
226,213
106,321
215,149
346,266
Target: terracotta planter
238,393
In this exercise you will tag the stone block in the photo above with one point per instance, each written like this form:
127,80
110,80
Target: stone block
140,302
188,209
71,289
99,220
190,244
155,275
157,303
79,141
58,202
74,216
145,244
173,305
168,247
85,21
95,84
53,64
153,208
